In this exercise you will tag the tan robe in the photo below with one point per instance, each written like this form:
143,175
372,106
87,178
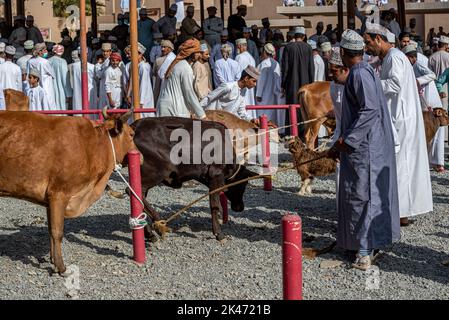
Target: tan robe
156,80
202,79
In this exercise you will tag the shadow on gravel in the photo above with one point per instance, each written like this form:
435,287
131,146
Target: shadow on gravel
25,242
442,200
420,262
439,235
440,180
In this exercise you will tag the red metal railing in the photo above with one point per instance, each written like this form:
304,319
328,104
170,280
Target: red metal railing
292,112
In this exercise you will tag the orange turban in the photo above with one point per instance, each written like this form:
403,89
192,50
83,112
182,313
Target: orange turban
185,50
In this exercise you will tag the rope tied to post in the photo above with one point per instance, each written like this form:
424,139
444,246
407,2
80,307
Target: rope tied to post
134,223
161,225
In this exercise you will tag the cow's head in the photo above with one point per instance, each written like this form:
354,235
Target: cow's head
235,193
442,115
121,133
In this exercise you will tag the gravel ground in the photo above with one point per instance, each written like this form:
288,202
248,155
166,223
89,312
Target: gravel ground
191,264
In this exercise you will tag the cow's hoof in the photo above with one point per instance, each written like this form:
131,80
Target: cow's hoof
66,273
150,234
161,228
220,237
116,194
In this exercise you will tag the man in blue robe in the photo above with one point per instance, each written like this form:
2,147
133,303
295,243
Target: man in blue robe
368,205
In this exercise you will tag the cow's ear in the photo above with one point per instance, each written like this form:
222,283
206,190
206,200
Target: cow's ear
114,126
126,116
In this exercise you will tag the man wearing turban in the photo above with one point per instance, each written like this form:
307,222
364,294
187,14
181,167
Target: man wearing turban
61,82
177,96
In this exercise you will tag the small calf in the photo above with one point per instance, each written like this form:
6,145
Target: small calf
433,120
308,171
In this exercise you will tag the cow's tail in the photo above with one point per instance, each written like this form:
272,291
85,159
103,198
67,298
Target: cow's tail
303,98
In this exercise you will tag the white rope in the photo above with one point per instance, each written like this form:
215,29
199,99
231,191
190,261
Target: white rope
265,131
134,223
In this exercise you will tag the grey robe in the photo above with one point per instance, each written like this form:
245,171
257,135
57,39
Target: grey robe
368,205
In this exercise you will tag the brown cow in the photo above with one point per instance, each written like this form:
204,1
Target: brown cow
315,102
62,163
16,100
432,121
248,130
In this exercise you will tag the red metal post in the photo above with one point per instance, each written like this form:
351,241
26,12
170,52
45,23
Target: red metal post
224,207
292,257
293,121
136,206
267,183
83,43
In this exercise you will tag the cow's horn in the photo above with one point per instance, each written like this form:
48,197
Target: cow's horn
126,116
105,112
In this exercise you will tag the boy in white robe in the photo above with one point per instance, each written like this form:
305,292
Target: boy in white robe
75,82
268,91
230,97
113,82
145,88
47,74
100,73
36,94
245,59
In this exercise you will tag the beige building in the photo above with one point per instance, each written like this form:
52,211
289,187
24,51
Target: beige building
51,26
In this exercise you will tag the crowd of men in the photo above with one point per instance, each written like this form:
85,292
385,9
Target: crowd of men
381,77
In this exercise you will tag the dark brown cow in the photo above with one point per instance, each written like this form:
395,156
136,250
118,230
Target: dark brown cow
154,140
16,100
315,102
62,163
